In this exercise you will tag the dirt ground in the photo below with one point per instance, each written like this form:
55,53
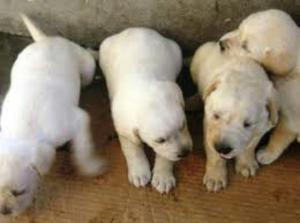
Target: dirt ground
65,197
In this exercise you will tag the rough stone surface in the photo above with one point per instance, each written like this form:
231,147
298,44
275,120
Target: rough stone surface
190,22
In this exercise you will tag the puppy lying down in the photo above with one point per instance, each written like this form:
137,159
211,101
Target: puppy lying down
272,38
40,112
140,67
240,108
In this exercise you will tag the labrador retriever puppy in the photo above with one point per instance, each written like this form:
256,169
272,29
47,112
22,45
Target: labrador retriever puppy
40,112
269,37
140,67
272,38
240,107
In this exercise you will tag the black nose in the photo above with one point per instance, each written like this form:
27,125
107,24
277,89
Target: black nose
223,148
6,211
222,44
184,153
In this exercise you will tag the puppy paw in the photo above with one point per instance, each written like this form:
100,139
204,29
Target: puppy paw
139,176
266,157
163,181
246,169
215,180
93,167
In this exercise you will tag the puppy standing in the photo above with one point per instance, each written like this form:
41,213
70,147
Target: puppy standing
40,112
140,67
272,38
239,109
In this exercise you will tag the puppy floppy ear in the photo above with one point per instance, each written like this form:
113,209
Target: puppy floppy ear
272,106
228,40
42,157
210,89
279,60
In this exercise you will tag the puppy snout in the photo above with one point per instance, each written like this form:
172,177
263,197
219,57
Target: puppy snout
184,153
6,210
223,148
223,45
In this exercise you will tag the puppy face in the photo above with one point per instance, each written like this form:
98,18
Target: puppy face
255,38
21,164
234,115
163,125
18,183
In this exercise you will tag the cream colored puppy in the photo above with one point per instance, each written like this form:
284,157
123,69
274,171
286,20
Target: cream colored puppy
140,67
240,108
272,38
40,112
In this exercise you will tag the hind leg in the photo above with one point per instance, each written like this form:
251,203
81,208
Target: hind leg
83,147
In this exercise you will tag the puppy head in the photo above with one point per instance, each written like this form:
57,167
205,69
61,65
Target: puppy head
236,113
163,124
270,37
19,174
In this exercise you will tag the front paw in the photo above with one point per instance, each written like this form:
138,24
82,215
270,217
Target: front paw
265,157
139,175
246,169
163,181
215,179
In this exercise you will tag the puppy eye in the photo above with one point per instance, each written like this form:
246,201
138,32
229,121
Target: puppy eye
216,116
17,193
160,140
247,124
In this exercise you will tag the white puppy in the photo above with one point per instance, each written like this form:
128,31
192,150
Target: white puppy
240,108
40,112
140,67
272,38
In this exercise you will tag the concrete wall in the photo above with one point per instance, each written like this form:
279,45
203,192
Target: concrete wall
190,22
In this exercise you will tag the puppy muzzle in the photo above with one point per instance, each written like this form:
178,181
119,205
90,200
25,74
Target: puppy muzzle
184,153
223,148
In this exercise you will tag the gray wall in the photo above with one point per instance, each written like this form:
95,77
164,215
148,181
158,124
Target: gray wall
190,22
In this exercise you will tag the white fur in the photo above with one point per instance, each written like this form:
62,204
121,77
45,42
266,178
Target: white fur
270,37
273,39
236,91
140,67
40,112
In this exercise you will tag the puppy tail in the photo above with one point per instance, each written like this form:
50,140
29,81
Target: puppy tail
35,32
